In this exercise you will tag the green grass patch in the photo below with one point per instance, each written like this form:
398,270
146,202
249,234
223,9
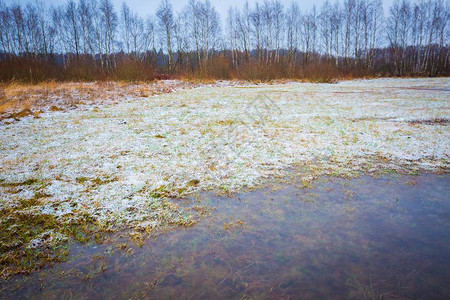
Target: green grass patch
30,181
31,240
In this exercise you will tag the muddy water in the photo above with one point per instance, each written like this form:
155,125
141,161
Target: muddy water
368,237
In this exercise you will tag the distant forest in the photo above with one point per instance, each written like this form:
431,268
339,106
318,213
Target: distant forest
92,40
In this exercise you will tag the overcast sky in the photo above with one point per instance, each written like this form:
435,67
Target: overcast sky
146,7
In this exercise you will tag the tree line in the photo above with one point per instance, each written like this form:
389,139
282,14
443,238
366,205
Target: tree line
91,40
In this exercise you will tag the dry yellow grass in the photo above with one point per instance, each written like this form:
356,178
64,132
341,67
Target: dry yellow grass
18,100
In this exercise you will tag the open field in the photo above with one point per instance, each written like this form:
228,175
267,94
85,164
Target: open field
117,164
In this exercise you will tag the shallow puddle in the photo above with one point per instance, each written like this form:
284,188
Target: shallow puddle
386,237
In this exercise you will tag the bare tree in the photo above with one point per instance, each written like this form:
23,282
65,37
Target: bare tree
205,30
374,28
309,34
293,32
85,10
257,25
326,28
126,26
232,35
336,16
349,8
181,33
166,25
150,39
110,21
20,29
7,30
398,27
132,31
72,25
243,29
278,14
436,24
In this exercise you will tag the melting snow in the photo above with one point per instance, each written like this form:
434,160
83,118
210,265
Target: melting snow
111,161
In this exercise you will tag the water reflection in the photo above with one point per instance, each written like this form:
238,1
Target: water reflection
385,237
